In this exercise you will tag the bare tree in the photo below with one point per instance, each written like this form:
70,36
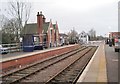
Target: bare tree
3,19
92,34
73,36
21,12
9,32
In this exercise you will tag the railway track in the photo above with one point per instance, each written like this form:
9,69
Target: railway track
31,64
17,76
71,73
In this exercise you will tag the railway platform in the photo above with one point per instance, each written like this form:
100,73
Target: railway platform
20,59
96,68
17,55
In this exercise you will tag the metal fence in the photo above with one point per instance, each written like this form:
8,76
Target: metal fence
17,47
14,47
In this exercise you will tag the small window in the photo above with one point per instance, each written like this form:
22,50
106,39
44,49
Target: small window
51,32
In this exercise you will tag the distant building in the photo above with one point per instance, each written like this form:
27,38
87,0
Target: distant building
63,39
113,35
83,37
43,32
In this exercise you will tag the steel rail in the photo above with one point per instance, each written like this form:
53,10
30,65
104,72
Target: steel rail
39,62
32,71
57,75
77,77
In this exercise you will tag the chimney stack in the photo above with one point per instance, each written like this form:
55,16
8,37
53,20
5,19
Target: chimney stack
40,25
38,14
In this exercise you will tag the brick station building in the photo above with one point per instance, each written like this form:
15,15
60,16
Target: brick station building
113,35
43,32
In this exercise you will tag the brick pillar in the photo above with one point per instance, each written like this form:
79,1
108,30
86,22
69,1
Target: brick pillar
57,34
53,37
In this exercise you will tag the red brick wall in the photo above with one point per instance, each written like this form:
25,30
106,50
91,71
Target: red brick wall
48,39
57,34
30,59
52,36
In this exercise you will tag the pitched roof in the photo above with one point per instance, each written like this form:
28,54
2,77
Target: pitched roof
32,28
63,34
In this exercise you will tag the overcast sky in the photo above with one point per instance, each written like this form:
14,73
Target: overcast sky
83,15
